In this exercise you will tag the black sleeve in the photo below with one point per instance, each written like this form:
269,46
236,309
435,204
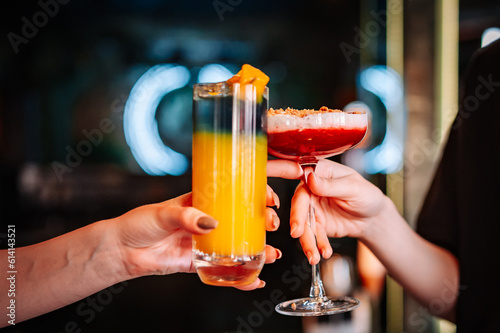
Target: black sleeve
464,197
438,216
462,209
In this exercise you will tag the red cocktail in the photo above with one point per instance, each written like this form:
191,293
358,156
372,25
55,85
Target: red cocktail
312,134
314,142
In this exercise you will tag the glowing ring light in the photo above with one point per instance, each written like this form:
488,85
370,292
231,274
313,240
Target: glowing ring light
140,126
386,84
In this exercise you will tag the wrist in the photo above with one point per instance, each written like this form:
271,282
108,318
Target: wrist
381,225
111,259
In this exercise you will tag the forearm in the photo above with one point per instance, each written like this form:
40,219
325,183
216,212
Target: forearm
64,270
426,271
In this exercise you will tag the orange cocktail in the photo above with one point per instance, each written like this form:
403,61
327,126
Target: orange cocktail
230,185
229,181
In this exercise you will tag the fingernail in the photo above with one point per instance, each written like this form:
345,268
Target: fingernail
292,230
309,257
325,253
207,222
276,222
261,285
279,254
276,200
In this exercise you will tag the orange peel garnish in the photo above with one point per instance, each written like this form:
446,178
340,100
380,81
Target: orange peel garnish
251,75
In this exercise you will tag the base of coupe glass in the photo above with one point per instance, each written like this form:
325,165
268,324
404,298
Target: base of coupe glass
317,306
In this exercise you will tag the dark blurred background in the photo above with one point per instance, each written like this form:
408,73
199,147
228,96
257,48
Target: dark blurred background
68,70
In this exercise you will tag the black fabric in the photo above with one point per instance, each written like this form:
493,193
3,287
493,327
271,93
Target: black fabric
462,209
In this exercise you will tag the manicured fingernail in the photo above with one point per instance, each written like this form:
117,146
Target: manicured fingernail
276,200
207,223
276,222
279,254
262,284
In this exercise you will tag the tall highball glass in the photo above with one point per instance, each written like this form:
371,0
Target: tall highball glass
229,181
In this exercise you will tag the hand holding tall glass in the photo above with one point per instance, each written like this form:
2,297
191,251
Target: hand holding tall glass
229,180
306,136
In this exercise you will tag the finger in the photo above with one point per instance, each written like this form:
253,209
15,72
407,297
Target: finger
331,169
344,188
257,284
272,254
299,211
272,220
324,245
272,198
308,243
188,218
322,242
283,169
184,200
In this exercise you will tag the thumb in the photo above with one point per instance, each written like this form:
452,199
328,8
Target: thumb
187,218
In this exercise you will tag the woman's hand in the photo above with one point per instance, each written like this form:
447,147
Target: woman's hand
344,203
156,239
348,205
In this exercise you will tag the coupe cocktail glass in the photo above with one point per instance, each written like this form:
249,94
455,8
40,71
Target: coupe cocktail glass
229,181
307,136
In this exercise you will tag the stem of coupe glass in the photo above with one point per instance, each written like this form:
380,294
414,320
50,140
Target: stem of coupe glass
317,291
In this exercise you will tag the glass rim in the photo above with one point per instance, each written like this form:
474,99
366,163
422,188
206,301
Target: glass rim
222,87
222,84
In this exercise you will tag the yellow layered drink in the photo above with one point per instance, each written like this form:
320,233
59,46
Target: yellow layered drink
229,181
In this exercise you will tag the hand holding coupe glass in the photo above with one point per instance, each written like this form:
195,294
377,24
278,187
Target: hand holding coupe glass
229,158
